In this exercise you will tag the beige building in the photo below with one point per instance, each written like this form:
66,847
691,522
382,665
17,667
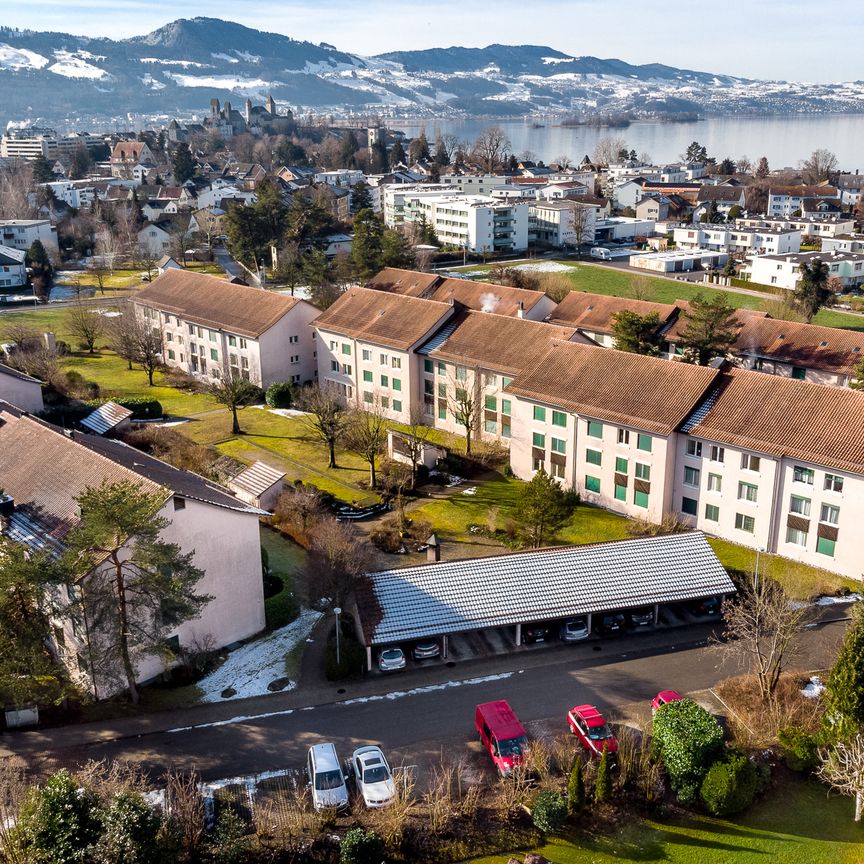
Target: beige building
212,329
44,469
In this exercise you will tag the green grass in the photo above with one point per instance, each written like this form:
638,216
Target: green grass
285,559
796,822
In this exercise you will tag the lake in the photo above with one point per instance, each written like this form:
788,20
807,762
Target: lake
784,140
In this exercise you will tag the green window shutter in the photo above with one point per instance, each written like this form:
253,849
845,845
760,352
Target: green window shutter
620,464
594,457
559,418
592,484
620,492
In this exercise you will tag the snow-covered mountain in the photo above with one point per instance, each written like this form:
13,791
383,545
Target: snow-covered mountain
178,68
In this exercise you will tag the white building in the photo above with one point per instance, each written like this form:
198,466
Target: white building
809,226
784,271
679,261
621,229
21,234
13,269
561,223
789,200
725,238
843,243
345,177
212,329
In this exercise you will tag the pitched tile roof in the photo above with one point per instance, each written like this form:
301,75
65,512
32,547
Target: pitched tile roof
383,318
594,311
827,348
215,302
616,386
784,417
409,282
459,596
256,479
486,296
497,342
105,418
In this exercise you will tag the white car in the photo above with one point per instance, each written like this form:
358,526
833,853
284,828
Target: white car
373,776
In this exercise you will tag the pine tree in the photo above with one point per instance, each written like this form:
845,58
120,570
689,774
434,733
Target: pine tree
603,784
42,170
183,164
367,250
812,291
762,169
844,690
576,790
710,329
639,334
397,155
419,149
543,508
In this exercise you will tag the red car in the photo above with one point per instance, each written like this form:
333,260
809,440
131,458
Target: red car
588,725
663,698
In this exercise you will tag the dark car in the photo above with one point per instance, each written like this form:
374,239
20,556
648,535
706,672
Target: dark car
642,617
574,630
427,650
610,624
707,607
532,633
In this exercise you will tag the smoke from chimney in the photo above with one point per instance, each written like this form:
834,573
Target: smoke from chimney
488,302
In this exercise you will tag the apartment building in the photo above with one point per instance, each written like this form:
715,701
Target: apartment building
561,223
212,329
809,226
21,233
784,271
479,223
32,142
732,240
843,243
13,270
791,200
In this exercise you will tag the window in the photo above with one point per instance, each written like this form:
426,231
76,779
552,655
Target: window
623,436
559,445
397,383
643,471
442,389
592,484
385,381
170,354
747,492
461,373
595,428
799,372
334,366
643,442
442,368
559,418
212,334
442,412
718,454
490,426
620,464
367,376
367,397
346,349
833,483
558,471
640,499
293,340
715,483
347,369
829,514
295,359
745,523
191,329
505,381
620,492
396,362
242,343
690,506
796,536
232,341
593,457
490,403
800,474
538,462
490,380
691,476
505,407
538,440
505,429
539,413
749,462
428,366
799,505
367,356
397,404
825,546
712,512
383,359
694,447
385,401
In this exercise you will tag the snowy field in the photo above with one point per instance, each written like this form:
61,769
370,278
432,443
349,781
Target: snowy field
545,267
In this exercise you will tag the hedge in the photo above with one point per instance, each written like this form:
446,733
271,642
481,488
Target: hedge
729,786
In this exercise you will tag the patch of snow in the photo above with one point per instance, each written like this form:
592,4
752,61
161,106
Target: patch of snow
828,600
226,82
72,65
552,61
231,721
250,781
471,490
545,267
253,666
186,64
20,58
814,687
245,55
429,688
149,81
282,412
226,57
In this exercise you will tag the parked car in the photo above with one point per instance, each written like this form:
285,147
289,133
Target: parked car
326,779
532,633
373,776
588,725
664,697
391,660
501,734
707,607
574,630
427,650
610,624
642,617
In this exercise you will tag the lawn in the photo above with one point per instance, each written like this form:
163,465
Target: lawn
285,559
796,822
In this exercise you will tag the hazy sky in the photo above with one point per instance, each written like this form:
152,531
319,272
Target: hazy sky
789,39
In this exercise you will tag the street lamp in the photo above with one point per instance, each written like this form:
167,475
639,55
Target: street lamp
337,611
759,550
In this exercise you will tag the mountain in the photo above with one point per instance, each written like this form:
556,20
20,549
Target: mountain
174,71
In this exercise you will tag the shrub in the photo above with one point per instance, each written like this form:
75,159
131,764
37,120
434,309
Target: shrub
352,659
550,811
603,784
576,790
142,408
229,843
688,739
360,846
800,748
729,786
130,832
280,394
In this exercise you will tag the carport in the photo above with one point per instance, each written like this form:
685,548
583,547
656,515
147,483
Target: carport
445,598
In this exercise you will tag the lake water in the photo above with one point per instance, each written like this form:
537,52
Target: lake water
784,140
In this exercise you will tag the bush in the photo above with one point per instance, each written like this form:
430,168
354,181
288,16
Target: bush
576,790
360,846
143,408
603,783
352,659
130,831
688,739
550,811
800,748
729,786
280,394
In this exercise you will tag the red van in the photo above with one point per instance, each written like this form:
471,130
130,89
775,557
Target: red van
501,734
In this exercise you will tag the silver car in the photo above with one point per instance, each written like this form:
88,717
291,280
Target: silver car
574,630
373,777
326,779
391,660
426,650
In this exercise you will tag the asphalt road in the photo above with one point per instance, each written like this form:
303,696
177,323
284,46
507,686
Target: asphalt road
420,721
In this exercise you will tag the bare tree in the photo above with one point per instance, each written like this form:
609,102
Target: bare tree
86,325
842,768
818,165
337,558
744,166
491,148
366,433
145,259
606,150
463,402
208,227
99,273
298,510
16,183
147,348
123,332
108,247
235,393
326,416
415,439
760,631
582,223
20,335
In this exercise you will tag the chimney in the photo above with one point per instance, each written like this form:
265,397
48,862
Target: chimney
520,310
433,550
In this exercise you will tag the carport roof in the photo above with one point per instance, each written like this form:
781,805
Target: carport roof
478,593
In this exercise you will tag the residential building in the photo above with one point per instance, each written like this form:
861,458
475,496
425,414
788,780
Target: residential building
213,329
44,470
843,243
790,200
476,184
784,271
22,391
561,223
13,269
734,240
128,155
21,234
850,187
621,229
679,261
720,199
809,226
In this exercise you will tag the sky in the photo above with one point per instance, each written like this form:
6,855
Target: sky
793,40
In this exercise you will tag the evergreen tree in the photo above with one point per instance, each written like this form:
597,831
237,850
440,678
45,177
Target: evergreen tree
348,150
395,250
812,290
442,157
183,165
543,508
603,783
42,170
81,163
418,151
638,334
576,790
380,161
367,248
844,689
397,155
857,382
696,153
762,169
710,329
41,270
727,166
361,197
